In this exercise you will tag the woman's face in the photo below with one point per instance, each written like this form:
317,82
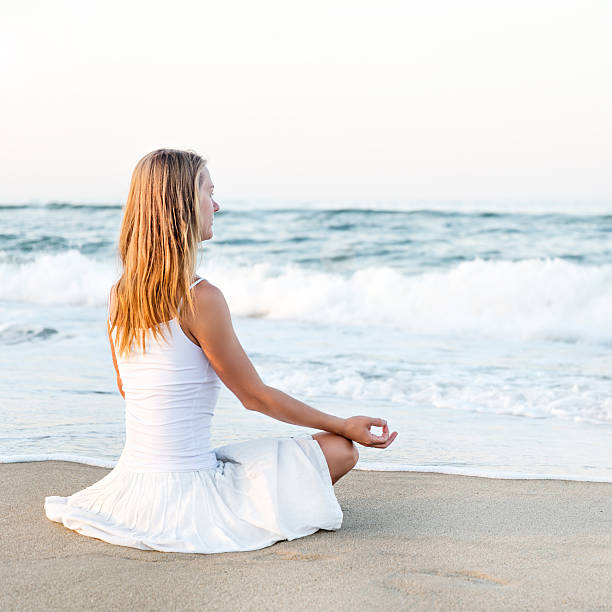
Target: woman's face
208,206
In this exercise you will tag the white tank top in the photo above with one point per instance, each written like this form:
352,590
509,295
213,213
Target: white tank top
170,395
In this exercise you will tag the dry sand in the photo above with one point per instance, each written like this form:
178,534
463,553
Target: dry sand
412,541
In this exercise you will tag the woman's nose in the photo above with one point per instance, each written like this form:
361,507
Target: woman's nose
215,206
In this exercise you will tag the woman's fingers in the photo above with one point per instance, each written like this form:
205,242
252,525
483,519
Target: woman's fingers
379,439
385,432
359,430
377,422
385,443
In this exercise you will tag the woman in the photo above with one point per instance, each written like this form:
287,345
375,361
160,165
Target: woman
170,491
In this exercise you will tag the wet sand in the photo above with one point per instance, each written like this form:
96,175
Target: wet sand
409,540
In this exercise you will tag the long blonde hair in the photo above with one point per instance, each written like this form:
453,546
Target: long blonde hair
158,245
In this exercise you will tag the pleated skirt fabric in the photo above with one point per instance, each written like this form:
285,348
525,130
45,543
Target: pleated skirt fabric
260,492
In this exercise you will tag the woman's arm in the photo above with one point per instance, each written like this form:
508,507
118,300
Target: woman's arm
110,339
212,326
119,382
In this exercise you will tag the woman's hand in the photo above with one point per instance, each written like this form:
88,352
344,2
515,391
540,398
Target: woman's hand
357,428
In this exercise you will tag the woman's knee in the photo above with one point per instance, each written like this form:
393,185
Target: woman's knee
340,453
350,452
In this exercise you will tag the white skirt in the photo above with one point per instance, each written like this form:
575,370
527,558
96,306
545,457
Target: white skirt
260,492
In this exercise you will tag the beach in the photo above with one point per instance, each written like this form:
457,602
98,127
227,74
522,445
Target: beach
409,540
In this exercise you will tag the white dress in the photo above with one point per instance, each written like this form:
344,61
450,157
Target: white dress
170,491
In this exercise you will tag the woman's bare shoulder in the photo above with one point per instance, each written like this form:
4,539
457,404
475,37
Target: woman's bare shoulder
210,309
207,297
205,289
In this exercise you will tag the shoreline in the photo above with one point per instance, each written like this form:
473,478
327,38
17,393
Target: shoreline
375,467
413,540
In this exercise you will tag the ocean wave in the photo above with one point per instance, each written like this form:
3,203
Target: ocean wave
572,402
60,278
529,299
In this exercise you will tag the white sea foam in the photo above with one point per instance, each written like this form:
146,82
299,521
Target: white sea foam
373,466
568,402
106,463
480,472
548,299
63,278
529,299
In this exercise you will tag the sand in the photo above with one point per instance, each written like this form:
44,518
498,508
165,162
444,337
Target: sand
411,541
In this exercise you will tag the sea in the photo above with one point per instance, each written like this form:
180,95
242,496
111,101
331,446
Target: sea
481,331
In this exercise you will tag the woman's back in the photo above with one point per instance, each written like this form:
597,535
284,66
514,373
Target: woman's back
170,395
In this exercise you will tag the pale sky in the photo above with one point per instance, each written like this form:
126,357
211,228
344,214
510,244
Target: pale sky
310,100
